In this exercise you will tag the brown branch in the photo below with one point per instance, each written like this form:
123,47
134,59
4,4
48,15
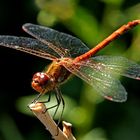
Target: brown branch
67,130
38,109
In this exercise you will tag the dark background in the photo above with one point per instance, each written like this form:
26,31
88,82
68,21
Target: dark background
91,119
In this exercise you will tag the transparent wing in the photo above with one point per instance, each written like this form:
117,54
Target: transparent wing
29,45
120,66
65,45
103,72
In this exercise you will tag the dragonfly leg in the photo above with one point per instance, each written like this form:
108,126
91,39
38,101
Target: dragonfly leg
48,100
60,99
37,98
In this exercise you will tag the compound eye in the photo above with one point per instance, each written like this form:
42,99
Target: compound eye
39,81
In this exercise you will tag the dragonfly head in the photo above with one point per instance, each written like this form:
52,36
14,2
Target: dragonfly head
39,81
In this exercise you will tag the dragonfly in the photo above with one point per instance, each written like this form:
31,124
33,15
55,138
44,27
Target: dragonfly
69,55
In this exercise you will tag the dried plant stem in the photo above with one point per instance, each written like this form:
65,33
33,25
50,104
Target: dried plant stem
38,109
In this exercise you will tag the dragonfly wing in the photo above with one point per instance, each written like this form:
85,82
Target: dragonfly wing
65,45
120,66
28,45
96,75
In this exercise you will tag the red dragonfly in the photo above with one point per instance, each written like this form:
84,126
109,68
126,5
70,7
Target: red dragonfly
71,56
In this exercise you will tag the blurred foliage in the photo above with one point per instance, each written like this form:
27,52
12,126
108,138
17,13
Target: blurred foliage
93,118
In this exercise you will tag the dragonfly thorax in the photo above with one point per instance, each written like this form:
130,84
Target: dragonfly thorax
40,80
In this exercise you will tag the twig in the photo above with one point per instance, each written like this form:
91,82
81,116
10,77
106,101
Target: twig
67,130
38,109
